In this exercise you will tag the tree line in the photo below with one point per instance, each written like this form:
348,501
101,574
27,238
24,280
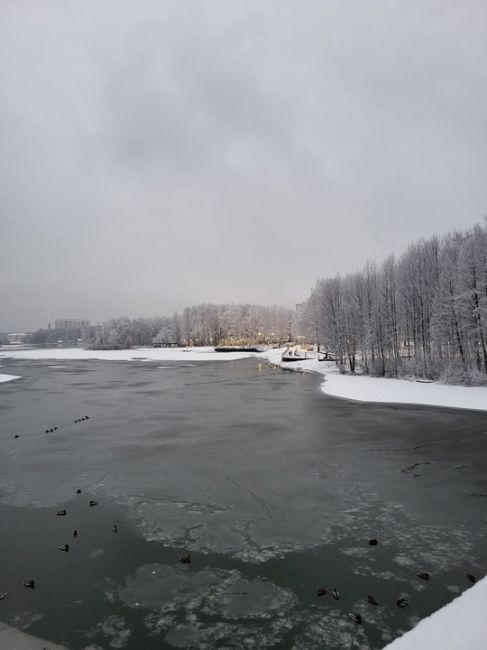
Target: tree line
203,324
423,314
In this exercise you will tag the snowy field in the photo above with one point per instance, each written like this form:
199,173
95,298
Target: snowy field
8,378
397,391
136,354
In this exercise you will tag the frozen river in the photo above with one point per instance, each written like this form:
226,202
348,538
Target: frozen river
274,489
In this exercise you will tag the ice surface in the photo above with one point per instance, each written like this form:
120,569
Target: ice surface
114,631
460,624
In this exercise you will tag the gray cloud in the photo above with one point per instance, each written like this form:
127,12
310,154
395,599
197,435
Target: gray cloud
156,154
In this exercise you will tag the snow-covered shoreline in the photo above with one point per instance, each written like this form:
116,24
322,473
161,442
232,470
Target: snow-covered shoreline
10,637
358,388
460,624
361,388
4,378
134,354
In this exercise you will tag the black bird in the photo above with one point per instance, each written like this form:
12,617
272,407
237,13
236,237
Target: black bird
64,547
321,592
16,435
78,491
55,428
186,559
336,594
75,533
47,430
115,528
93,503
356,618
3,595
30,584
373,542
372,601
61,513
87,417
402,602
423,575
51,430
472,578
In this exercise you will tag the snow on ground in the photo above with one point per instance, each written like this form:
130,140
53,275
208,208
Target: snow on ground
17,640
460,624
8,378
402,391
398,391
136,354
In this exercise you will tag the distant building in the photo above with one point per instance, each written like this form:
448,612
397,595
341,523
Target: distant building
16,337
70,323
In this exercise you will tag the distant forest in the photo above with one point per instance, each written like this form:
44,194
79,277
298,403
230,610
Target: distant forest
203,324
423,314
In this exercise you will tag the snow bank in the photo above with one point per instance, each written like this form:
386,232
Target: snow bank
460,624
8,378
401,391
397,391
136,354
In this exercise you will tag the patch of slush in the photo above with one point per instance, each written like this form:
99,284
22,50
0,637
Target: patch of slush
113,629
237,598
253,533
358,552
423,547
331,631
25,619
386,390
201,635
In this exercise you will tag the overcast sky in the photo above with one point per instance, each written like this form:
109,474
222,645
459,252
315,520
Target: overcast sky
158,154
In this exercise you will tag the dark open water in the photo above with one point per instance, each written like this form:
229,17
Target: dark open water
274,488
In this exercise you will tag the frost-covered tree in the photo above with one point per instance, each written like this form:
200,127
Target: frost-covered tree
424,313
